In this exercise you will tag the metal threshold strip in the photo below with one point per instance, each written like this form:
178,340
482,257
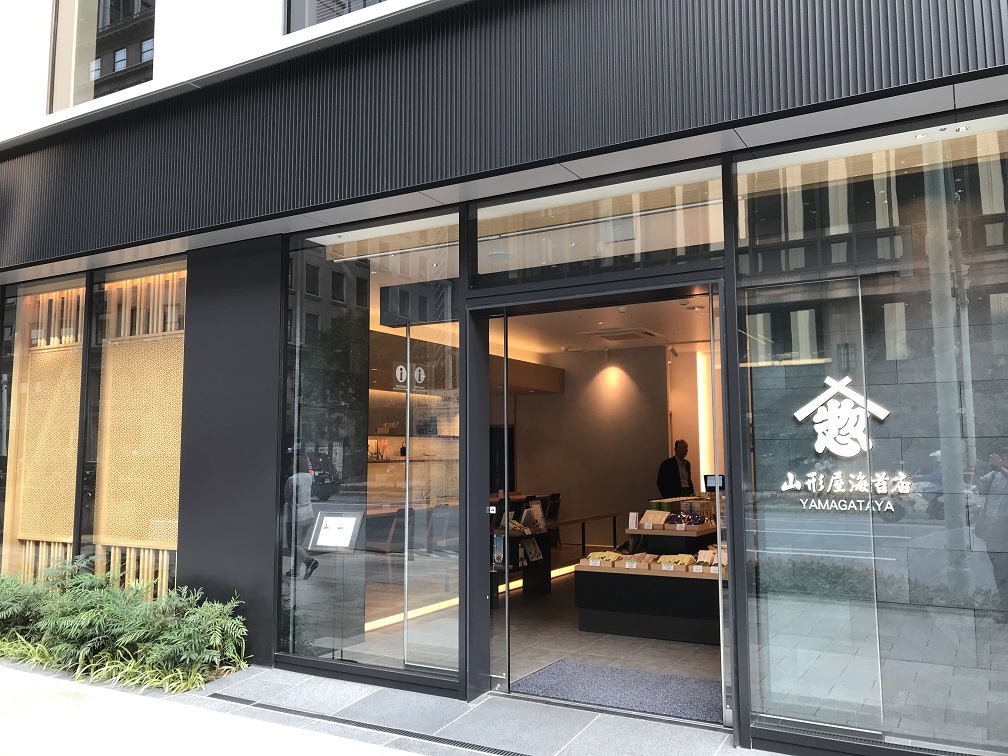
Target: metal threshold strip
600,709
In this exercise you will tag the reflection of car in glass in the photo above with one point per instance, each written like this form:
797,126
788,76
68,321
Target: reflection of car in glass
324,480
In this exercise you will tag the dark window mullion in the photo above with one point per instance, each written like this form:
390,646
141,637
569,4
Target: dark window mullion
82,418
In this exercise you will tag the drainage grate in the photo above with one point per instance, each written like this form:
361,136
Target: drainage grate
231,699
368,726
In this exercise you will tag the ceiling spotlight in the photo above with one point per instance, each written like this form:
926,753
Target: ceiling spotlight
621,309
675,352
962,128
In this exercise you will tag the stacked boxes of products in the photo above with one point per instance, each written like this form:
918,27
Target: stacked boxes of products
707,561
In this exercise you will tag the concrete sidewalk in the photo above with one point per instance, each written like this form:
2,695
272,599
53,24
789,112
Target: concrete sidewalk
261,710
43,713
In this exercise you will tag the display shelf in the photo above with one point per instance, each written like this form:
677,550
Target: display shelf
688,531
617,570
647,605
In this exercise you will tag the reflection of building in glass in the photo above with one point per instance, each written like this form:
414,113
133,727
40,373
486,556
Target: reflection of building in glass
304,13
101,48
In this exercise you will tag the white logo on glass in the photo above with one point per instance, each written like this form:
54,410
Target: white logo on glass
842,423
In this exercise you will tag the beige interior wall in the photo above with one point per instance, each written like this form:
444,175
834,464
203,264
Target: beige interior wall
600,442
682,401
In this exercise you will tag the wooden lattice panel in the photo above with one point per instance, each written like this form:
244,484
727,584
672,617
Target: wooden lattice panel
139,435
49,472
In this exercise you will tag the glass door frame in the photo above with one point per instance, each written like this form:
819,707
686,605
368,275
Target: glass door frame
480,312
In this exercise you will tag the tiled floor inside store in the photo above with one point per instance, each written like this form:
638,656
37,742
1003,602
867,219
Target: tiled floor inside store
544,629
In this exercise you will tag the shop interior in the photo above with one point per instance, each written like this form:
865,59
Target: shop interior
584,411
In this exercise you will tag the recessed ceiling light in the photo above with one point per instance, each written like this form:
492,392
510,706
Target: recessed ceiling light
922,135
600,322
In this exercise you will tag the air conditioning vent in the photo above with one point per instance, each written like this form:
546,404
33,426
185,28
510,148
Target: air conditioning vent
623,335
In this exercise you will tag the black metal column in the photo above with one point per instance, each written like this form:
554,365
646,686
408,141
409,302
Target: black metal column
475,397
231,430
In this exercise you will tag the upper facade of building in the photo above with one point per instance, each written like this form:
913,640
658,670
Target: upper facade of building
83,60
410,98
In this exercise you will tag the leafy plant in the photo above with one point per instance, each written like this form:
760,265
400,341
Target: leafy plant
76,620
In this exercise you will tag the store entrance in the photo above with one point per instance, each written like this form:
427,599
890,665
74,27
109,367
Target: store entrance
607,526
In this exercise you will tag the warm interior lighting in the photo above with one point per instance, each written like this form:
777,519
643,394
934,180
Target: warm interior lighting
422,611
705,412
613,376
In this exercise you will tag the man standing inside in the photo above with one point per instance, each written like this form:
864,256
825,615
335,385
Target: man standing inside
674,476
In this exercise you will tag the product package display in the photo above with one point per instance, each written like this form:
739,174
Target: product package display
707,562
516,527
653,519
531,548
712,556
686,518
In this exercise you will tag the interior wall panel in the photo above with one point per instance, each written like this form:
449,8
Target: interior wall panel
483,87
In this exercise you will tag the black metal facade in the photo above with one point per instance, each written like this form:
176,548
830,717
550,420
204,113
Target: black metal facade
484,87
229,487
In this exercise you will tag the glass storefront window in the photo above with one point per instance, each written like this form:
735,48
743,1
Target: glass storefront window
43,329
304,13
372,444
101,47
648,223
871,303
130,490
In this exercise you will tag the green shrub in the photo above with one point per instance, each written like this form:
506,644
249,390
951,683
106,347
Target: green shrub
76,620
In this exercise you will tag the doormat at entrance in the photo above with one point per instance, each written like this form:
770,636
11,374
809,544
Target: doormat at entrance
647,692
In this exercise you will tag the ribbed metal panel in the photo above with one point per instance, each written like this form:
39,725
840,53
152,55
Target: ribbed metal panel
487,86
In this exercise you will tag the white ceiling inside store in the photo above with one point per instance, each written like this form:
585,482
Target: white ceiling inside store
680,322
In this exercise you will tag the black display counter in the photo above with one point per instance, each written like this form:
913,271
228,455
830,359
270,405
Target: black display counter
648,604
688,541
535,575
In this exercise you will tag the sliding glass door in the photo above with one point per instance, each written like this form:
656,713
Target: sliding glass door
371,448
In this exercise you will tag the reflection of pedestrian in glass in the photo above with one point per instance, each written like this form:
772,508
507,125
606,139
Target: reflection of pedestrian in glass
992,526
297,496
932,489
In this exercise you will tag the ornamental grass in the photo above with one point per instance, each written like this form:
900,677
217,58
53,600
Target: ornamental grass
77,621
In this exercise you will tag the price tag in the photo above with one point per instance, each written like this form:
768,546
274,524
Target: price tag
668,568
631,565
594,562
681,526
715,569
697,568
648,525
